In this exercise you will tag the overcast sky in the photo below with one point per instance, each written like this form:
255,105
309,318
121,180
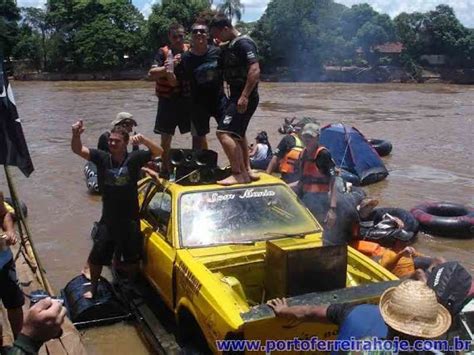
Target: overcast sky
254,8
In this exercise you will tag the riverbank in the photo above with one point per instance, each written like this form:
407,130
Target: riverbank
352,74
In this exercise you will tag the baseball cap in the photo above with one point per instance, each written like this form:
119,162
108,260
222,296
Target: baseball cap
310,129
123,116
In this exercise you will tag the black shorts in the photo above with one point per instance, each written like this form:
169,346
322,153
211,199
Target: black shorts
123,239
201,115
173,112
234,122
10,293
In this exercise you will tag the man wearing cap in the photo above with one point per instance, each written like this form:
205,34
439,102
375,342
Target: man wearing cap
318,172
118,171
123,119
409,311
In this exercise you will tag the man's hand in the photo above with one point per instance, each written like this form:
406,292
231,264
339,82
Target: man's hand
137,139
43,321
10,238
242,104
330,219
78,128
407,251
278,305
151,172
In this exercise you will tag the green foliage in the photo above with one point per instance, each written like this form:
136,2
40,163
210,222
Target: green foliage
307,34
435,32
167,12
9,31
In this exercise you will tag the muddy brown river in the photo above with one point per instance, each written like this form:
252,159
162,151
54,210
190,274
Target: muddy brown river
430,126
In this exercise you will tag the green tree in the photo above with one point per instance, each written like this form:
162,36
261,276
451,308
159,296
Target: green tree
27,48
167,12
435,32
9,31
35,18
232,8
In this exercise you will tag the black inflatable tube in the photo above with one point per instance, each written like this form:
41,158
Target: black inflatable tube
382,147
411,224
23,206
446,219
350,177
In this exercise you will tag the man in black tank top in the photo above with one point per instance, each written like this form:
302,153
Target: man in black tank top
118,231
239,64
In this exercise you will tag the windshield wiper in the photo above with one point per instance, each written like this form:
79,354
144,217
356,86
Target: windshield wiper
246,242
289,235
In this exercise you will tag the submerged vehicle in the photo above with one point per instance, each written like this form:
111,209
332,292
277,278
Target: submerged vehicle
216,254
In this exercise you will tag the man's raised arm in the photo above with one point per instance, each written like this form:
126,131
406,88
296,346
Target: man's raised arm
76,143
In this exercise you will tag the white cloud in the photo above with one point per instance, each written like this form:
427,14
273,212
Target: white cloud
146,8
31,3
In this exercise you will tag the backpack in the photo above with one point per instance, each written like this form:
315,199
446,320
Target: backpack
451,283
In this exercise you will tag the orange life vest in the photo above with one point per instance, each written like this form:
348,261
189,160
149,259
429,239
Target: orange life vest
287,164
313,179
163,88
370,249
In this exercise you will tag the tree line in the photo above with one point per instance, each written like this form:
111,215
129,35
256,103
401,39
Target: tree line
299,35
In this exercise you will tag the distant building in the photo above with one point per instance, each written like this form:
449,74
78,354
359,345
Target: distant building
389,50
433,59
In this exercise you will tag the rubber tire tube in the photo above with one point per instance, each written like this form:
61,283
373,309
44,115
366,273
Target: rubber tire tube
446,219
382,147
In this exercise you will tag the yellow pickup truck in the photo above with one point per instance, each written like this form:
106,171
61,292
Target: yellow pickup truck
216,254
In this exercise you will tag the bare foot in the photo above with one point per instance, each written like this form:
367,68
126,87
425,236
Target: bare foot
86,272
235,179
253,175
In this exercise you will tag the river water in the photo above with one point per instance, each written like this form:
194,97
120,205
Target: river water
430,126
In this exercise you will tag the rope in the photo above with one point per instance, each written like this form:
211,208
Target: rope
345,151
26,241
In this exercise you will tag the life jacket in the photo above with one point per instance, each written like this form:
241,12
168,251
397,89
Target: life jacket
289,161
163,88
235,71
371,249
312,178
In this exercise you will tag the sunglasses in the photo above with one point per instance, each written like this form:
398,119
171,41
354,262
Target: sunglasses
177,36
199,31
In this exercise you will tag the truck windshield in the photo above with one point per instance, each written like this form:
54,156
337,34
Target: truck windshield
241,215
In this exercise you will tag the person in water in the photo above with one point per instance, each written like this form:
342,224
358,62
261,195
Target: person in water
286,157
123,119
261,152
118,171
241,70
316,186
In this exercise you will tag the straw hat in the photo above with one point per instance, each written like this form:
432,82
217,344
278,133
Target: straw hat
412,308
